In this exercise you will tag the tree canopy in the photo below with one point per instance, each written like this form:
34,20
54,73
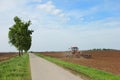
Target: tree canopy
20,35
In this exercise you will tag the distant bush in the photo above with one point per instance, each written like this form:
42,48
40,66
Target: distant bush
107,49
100,49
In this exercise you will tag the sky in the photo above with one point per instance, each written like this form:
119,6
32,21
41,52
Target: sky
61,24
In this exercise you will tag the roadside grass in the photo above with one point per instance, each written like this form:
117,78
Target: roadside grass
93,74
17,68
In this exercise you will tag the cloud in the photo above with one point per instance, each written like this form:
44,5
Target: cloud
4,39
6,5
37,0
62,39
79,15
109,22
50,8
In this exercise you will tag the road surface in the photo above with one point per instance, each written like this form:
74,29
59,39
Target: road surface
42,69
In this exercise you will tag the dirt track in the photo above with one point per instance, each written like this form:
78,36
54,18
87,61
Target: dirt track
44,70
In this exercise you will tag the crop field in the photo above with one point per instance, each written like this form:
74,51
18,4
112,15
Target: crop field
6,56
104,60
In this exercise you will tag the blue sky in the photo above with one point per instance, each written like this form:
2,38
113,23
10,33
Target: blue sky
59,25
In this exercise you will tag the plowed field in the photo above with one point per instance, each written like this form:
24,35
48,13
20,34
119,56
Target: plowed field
6,56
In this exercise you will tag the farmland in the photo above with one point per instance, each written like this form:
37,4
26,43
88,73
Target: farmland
7,55
103,60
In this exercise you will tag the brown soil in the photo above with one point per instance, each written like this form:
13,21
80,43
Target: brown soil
6,56
103,60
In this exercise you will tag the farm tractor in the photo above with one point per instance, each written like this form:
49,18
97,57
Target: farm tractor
76,53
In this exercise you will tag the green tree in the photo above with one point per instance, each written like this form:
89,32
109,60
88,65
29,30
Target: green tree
20,35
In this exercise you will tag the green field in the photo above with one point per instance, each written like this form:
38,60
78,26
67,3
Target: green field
92,73
17,68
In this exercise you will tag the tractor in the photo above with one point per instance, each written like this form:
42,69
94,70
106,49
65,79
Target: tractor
76,53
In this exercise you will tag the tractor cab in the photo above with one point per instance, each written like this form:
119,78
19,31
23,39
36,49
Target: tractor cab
74,49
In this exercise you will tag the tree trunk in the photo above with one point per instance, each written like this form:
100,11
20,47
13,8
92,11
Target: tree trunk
19,53
22,52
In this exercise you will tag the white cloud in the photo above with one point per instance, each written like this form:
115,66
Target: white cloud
79,15
50,8
6,5
4,37
62,15
37,0
105,23
56,11
62,39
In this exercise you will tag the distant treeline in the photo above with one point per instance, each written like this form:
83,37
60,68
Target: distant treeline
101,49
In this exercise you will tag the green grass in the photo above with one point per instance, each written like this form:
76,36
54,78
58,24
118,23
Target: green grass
93,74
17,68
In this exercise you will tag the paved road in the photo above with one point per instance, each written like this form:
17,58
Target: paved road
44,70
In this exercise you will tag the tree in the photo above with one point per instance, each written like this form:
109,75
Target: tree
20,36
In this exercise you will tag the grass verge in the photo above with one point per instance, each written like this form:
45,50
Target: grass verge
17,68
93,74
